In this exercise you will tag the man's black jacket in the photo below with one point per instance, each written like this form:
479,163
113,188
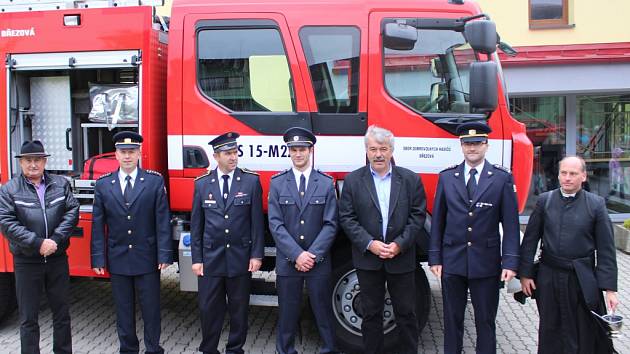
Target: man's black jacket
26,224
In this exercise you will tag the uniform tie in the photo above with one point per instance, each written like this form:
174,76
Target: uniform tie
471,186
226,189
128,187
302,185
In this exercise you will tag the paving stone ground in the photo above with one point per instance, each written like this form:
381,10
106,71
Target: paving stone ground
94,329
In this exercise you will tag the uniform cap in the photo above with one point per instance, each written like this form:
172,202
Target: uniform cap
127,140
473,132
297,136
225,142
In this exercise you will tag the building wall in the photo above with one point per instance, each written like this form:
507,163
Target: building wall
602,21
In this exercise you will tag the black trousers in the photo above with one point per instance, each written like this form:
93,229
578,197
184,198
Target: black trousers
124,290
484,293
402,290
290,300
212,295
31,281
566,324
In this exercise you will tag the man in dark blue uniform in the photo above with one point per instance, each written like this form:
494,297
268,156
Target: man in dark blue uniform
227,232
303,222
465,251
131,202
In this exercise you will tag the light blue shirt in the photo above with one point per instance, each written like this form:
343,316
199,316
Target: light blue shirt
383,188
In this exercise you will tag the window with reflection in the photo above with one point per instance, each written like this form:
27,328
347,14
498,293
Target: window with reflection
603,140
433,76
545,121
332,54
245,69
550,13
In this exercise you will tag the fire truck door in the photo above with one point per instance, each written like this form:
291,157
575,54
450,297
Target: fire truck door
242,77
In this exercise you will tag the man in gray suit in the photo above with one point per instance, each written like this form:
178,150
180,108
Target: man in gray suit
303,223
382,211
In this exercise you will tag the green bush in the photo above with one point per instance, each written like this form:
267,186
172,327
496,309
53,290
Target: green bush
626,224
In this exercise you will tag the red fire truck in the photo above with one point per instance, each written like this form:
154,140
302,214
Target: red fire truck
76,72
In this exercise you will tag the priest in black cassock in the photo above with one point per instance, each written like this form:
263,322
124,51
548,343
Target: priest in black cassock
577,264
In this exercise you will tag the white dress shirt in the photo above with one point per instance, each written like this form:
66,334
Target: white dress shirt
122,178
467,169
230,178
297,173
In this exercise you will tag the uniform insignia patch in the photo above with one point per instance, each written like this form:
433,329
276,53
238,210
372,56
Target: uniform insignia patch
449,168
325,174
249,171
154,172
501,167
514,185
279,173
105,175
204,175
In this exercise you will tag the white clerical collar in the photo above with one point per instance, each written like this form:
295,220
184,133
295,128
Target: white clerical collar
566,195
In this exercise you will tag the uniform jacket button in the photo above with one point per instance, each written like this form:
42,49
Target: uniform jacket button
130,246
129,232
228,245
469,229
469,243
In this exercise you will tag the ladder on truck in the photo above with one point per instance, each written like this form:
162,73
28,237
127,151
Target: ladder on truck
46,5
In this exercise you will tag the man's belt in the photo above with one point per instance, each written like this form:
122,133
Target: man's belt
584,269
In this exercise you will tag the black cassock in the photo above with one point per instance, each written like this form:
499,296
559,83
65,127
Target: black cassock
578,262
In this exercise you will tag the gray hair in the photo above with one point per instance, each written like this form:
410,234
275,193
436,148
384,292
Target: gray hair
381,135
582,162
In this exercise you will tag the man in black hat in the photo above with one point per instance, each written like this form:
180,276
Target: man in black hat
132,204
465,251
303,222
38,242
227,233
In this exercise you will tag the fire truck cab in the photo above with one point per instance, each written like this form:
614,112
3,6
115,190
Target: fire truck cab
77,72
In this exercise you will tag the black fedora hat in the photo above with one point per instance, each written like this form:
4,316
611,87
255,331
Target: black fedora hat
33,148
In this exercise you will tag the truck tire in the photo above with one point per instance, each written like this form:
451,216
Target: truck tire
8,303
347,309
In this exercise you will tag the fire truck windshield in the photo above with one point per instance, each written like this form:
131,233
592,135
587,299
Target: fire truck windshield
432,77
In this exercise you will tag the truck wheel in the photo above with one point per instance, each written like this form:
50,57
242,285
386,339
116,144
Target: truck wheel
347,309
8,303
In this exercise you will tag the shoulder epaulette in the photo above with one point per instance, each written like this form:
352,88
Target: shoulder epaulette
501,167
249,171
325,174
105,175
449,168
204,175
153,172
280,173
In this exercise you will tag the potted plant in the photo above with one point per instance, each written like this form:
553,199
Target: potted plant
622,236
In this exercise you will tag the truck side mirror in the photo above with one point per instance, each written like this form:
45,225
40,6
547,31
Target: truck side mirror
483,87
399,36
482,36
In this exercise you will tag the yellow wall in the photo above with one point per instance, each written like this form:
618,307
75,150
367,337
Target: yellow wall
166,9
601,21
